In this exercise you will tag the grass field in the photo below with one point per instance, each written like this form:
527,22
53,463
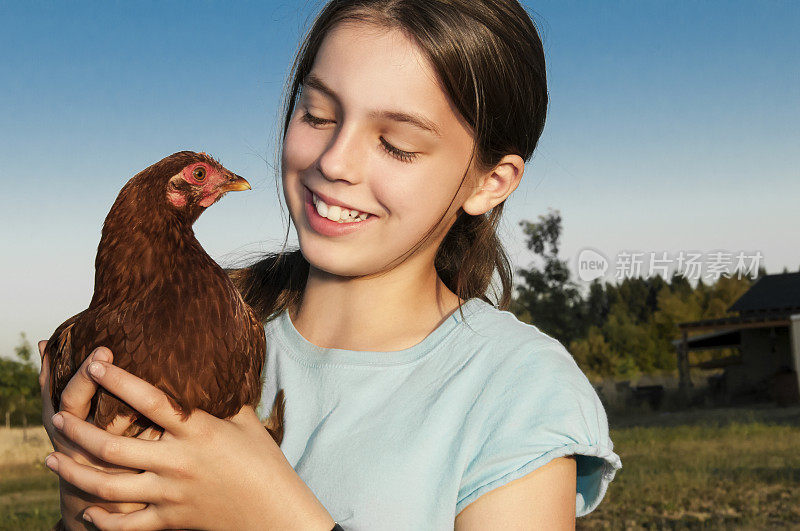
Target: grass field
705,469
28,490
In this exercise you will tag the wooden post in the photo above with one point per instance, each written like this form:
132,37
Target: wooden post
685,380
794,345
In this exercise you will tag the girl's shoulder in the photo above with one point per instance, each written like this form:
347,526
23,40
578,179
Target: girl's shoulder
499,339
533,404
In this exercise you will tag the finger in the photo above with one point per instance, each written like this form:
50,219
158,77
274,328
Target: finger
140,395
124,487
44,383
44,375
57,440
78,394
144,519
42,344
79,455
114,449
63,444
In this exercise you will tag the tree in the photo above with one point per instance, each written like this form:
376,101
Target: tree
19,385
547,296
593,354
620,330
596,306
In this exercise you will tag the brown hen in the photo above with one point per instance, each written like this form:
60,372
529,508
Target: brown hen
165,309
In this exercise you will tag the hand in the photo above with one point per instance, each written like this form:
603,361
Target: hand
203,472
76,400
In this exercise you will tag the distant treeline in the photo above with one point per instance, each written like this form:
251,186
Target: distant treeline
20,398
615,330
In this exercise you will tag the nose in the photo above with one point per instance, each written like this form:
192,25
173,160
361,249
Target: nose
340,160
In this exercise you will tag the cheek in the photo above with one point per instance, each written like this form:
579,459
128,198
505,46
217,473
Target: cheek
176,198
301,147
416,199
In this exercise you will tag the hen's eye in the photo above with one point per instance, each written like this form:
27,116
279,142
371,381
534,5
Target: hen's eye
199,174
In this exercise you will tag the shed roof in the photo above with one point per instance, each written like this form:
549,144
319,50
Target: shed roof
719,339
779,292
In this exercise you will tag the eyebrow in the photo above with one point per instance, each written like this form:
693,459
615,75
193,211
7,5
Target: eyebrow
417,120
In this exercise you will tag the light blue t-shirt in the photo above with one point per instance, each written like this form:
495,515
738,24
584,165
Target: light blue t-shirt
407,439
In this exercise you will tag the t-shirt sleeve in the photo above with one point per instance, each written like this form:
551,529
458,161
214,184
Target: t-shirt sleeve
537,408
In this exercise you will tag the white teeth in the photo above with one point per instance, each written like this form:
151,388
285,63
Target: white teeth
337,213
334,212
322,209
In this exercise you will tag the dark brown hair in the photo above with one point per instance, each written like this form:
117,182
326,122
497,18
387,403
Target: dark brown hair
490,61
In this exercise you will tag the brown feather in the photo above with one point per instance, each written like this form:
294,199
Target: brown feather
165,309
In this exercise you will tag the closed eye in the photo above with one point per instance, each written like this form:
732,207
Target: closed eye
313,120
399,154
404,156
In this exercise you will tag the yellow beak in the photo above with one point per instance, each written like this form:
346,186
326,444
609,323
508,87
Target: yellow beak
236,185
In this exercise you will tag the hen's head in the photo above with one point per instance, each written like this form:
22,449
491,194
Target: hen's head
182,185
198,182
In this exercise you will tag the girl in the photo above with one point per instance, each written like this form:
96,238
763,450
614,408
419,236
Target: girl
412,401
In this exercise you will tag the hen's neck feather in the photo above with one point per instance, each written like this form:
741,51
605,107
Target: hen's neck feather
144,241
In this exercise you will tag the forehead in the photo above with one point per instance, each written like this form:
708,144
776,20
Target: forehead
369,68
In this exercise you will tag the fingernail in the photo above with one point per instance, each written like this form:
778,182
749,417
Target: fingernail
95,369
58,420
51,462
87,517
100,355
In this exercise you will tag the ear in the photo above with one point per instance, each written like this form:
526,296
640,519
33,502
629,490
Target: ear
494,186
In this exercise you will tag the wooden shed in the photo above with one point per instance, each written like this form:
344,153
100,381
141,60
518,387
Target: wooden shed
766,334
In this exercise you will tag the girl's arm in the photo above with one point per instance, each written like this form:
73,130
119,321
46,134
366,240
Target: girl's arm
544,498
204,472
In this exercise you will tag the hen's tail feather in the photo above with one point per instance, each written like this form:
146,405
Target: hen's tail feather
274,424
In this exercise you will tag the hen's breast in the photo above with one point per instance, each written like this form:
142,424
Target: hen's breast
190,335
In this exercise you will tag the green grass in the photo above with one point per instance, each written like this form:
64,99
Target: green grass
705,469
712,473
28,497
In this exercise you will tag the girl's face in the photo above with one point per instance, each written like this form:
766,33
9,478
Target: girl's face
372,131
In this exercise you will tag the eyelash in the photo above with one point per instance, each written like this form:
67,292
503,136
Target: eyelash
399,154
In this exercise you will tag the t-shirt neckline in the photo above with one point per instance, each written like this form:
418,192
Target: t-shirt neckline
299,348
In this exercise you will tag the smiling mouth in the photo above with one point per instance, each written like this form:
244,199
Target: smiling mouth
337,213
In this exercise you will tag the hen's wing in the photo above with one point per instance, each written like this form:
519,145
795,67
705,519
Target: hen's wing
61,356
197,341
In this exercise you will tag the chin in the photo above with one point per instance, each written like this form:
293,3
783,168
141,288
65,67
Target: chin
339,262
334,265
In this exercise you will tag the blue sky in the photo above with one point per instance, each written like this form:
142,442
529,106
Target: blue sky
672,126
